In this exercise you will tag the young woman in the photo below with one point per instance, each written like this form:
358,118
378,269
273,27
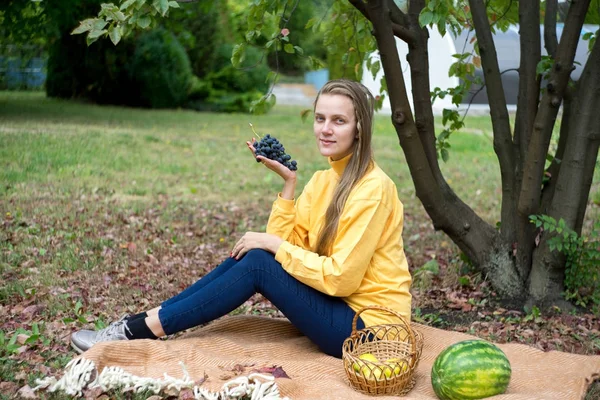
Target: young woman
335,249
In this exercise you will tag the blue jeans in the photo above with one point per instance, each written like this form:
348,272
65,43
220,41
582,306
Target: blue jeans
324,319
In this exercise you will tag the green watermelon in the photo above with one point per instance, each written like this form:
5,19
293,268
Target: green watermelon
471,369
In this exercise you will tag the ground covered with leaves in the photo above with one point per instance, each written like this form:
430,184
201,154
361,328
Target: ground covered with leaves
94,258
110,210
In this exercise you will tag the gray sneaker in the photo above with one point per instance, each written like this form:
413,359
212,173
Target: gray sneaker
82,340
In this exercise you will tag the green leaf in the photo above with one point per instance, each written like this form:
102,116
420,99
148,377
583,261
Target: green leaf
114,32
447,114
84,26
311,22
99,24
250,35
445,155
127,4
305,113
162,6
13,339
144,21
238,55
94,35
112,13
289,48
174,4
299,50
32,339
431,266
272,77
425,18
315,63
441,25
383,84
78,306
375,67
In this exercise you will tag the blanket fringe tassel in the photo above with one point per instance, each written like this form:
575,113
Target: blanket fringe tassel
81,374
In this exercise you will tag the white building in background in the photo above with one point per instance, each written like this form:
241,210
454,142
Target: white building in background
441,50
440,59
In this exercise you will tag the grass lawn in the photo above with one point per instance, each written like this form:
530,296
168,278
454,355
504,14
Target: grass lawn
107,210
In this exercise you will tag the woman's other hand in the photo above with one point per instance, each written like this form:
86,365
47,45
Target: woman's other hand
256,240
278,168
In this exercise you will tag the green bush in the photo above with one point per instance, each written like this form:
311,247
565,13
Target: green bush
228,89
161,69
198,27
582,274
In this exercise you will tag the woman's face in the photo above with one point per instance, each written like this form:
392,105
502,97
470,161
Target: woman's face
335,125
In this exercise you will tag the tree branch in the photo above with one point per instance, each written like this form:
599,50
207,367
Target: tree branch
550,40
401,31
527,103
529,198
520,229
396,14
529,87
403,34
553,170
503,145
418,58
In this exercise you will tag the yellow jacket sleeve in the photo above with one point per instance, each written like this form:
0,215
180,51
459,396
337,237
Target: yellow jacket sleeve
291,221
360,227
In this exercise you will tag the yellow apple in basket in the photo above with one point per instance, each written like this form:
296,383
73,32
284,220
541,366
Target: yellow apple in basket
361,367
394,363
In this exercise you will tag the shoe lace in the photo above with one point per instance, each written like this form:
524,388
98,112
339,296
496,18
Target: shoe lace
112,330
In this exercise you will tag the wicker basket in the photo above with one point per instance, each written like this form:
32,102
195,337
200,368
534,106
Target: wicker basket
398,342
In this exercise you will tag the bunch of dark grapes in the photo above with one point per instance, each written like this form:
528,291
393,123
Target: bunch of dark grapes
270,148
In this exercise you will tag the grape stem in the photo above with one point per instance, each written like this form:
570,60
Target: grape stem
252,127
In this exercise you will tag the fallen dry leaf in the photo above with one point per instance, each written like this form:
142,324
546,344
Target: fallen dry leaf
8,388
276,371
22,338
201,380
26,392
186,394
92,394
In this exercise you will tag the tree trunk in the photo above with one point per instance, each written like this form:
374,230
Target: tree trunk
574,179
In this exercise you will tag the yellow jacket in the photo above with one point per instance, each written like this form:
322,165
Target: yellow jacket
367,265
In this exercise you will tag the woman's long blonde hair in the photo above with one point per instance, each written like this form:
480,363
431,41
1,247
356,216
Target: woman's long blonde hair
360,162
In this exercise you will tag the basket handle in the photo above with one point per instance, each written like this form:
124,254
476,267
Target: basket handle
413,341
